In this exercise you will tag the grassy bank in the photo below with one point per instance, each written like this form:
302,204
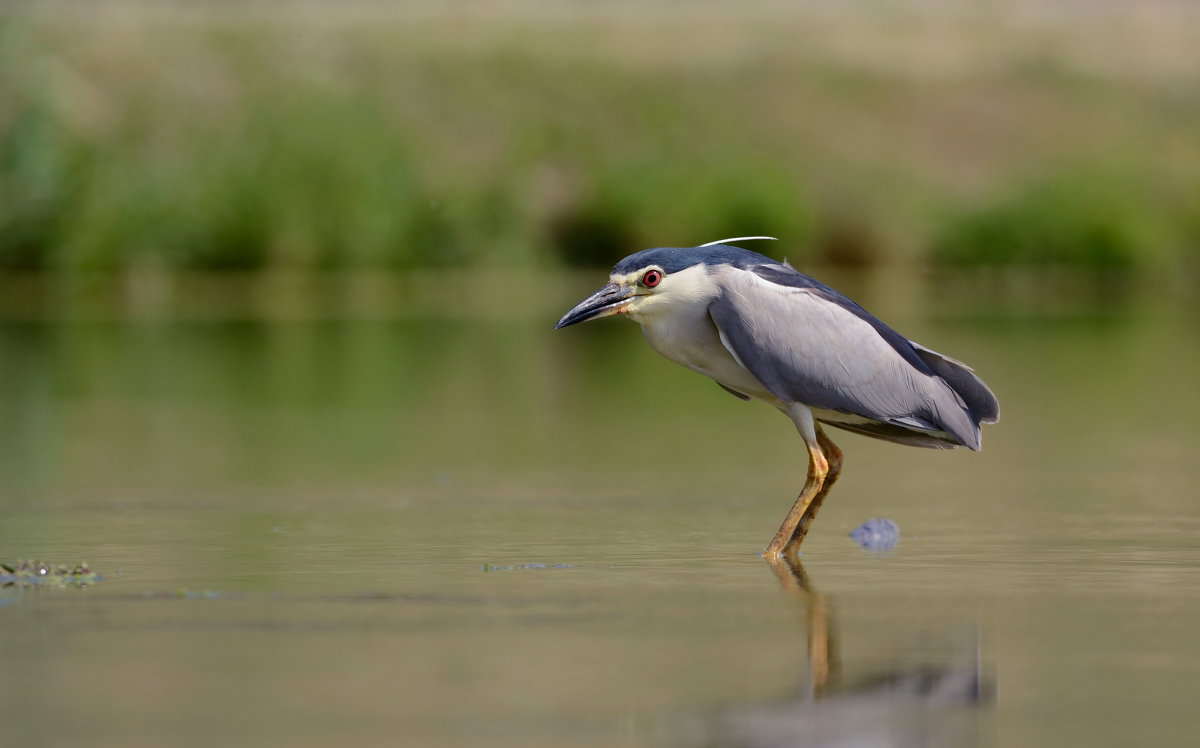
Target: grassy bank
141,135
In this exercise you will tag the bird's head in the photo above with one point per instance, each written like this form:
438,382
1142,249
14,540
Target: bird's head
653,281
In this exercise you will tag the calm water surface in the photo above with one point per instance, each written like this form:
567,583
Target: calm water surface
379,527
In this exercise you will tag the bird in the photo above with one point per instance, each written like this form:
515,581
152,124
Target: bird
763,330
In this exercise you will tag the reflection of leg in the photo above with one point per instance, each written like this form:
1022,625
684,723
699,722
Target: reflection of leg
821,656
790,574
819,646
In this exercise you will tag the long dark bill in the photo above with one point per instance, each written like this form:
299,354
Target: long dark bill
606,301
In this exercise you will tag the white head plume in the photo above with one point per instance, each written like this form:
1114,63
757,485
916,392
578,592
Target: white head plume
738,239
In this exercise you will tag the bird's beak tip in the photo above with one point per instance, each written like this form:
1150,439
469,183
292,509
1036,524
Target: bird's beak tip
607,301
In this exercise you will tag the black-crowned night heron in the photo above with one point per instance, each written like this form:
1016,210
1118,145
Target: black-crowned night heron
763,330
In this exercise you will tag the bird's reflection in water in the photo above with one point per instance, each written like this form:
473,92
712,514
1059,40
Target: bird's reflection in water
898,705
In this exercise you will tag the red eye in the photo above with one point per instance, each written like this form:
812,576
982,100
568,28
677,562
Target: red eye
652,278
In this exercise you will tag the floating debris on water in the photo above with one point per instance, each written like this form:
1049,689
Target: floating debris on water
877,534
186,594
200,594
40,574
523,567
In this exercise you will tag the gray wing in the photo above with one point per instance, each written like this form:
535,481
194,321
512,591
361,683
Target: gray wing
811,347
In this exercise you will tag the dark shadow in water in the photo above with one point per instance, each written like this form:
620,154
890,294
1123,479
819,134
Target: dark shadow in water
896,704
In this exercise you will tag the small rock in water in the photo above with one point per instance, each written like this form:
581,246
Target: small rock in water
877,534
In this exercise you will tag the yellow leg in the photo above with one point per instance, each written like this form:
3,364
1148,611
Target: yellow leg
824,465
833,456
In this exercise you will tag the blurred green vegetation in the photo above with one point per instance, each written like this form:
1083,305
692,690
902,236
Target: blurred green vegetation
1090,222
224,138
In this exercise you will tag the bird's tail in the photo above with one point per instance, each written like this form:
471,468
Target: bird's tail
981,404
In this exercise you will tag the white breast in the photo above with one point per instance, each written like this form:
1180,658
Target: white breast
688,337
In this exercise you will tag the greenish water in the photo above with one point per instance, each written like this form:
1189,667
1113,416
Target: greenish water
320,526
